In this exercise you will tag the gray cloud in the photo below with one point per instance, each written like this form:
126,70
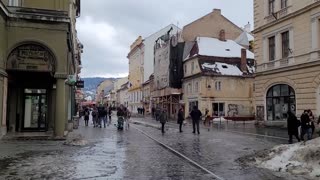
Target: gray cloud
108,27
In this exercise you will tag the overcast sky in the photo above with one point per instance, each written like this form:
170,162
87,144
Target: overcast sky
107,28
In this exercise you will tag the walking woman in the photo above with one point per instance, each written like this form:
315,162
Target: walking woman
180,118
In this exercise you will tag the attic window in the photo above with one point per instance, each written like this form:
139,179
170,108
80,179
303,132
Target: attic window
227,49
224,66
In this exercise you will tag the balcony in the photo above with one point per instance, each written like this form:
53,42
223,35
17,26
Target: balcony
275,64
279,14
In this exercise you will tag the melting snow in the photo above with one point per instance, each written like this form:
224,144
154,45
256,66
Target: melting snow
299,158
223,68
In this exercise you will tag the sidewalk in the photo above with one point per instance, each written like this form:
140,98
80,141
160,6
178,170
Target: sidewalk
244,127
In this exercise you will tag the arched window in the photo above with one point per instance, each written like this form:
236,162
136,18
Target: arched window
280,99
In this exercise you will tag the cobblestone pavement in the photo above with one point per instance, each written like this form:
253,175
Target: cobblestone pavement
130,154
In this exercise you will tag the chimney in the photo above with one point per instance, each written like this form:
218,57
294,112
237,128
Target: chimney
243,65
222,35
217,11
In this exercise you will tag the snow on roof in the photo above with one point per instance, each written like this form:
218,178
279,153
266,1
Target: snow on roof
223,68
215,47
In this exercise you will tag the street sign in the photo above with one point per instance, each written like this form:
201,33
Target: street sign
80,84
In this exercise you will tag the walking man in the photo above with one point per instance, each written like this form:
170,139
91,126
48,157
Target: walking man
86,116
180,118
163,119
195,116
306,126
293,125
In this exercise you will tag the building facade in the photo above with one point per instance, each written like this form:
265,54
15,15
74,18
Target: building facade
287,53
218,76
39,50
136,73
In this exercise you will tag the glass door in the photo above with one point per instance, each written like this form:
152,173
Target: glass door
35,110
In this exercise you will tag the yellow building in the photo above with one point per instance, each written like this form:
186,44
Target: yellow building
218,76
39,49
287,54
136,57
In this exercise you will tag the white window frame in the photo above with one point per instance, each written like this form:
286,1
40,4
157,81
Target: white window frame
218,85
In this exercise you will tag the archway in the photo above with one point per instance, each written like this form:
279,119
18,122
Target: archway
30,67
280,99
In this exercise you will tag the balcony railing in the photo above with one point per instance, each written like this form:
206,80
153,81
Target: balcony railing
275,64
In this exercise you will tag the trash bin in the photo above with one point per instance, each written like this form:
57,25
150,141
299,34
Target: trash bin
76,122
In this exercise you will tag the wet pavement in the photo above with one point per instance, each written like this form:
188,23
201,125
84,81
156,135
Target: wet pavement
130,154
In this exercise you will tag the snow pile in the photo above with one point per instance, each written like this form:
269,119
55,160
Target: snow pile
218,119
76,140
223,68
298,159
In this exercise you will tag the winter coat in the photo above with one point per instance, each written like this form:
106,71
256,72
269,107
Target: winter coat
305,121
195,114
163,117
180,117
292,123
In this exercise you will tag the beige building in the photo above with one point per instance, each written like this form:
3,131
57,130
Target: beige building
39,49
136,73
218,76
122,95
287,53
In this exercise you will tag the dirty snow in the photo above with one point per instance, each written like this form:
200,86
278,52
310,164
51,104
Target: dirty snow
215,47
298,159
223,68
218,119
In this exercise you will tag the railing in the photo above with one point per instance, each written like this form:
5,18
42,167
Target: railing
275,64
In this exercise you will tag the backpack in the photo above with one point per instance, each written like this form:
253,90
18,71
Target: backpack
94,113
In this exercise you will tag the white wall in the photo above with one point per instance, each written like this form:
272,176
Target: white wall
149,50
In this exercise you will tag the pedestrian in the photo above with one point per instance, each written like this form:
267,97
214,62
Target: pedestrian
293,124
110,114
143,110
305,126
163,119
158,111
195,116
312,120
95,117
86,116
180,118
102,116
152,112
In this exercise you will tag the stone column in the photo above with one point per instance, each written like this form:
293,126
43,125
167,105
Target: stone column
60,117
3,125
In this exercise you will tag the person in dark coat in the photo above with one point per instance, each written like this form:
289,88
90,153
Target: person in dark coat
292,123
305,126
86,116
180,118
195,116
163,118
153,112
158,112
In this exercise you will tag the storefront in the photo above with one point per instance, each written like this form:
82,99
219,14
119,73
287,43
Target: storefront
280,99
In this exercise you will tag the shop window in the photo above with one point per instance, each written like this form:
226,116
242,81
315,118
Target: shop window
280,100
218,109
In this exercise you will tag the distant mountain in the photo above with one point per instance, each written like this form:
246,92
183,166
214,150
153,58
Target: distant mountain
90,85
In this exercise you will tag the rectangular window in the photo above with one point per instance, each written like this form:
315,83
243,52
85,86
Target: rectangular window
189,88
271,7
196,87
13,2
285,44
218,85
185,69
284,3
192,67
272,47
